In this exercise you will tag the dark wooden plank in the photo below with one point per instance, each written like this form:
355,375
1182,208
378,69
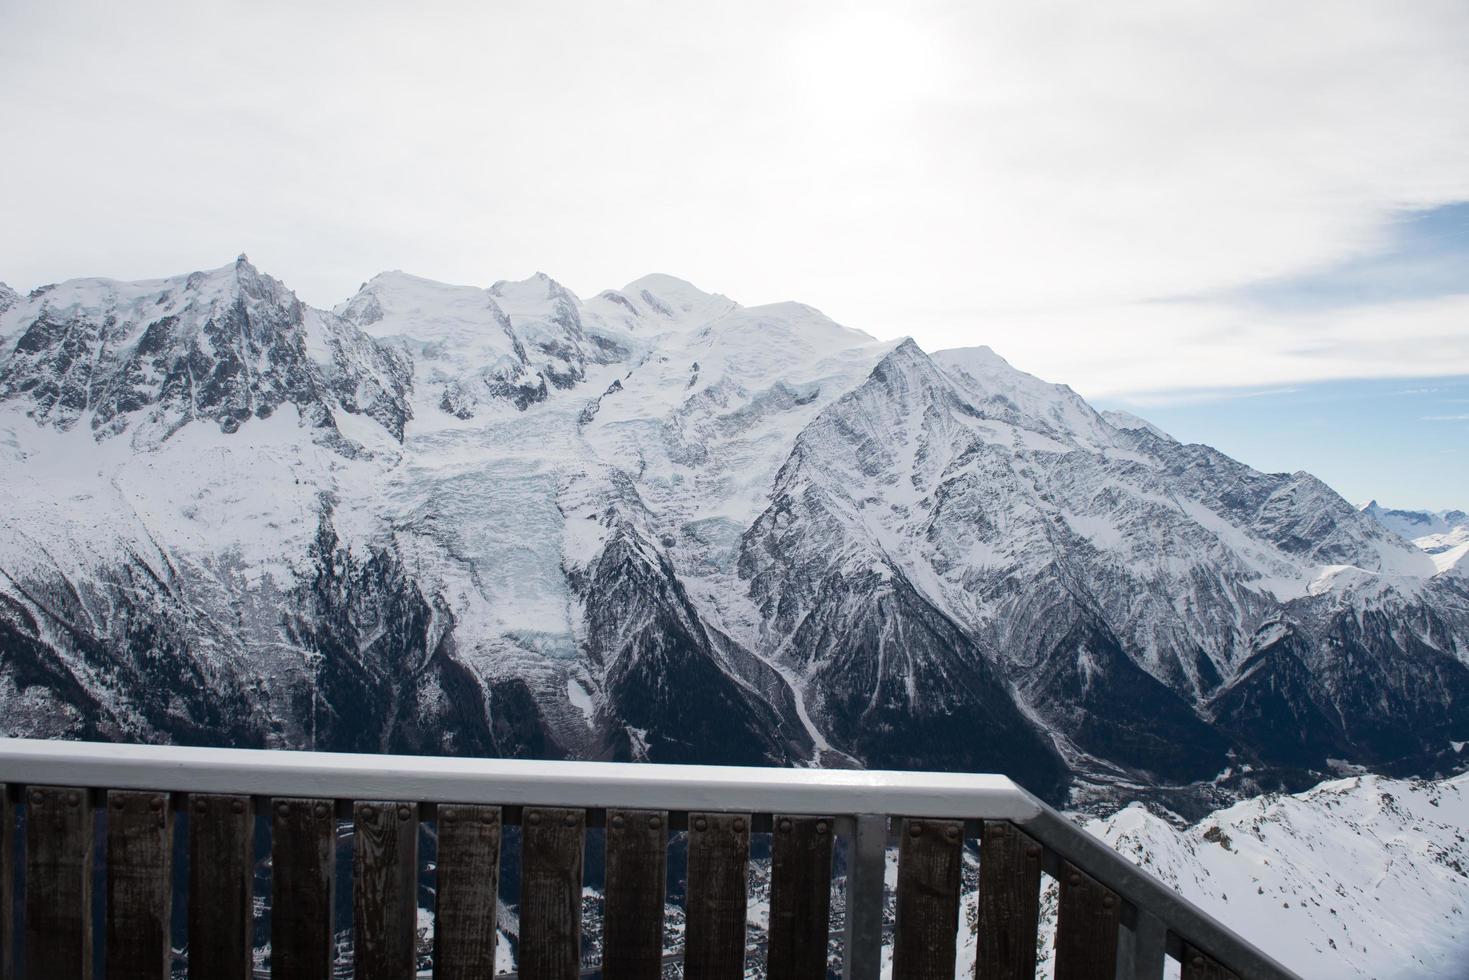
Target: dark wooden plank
714,930
58,893
926,933
467,893
7,882
550,893
1200,966
1009,903
384,890
221,919
632,915
139,885
1086,929
303,875
800,898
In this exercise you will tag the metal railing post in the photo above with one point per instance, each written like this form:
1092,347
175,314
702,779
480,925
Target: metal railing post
1142,948
866,865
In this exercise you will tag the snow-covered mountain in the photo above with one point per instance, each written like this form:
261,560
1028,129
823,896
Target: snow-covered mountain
656,524
1360,877
1443,534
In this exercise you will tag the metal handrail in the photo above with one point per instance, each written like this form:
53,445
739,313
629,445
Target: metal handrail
861,800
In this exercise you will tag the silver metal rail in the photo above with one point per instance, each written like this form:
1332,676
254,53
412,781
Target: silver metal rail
862,801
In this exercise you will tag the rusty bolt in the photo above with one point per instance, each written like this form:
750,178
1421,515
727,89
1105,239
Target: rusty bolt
821,827
618,822
655,822
915,830
739,825
701,824
533,818
785,825
155,804
321,809
238,806
1033,851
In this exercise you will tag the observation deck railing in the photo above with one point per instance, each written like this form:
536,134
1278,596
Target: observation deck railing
152,808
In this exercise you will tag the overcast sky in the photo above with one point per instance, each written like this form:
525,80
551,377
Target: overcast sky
1132,198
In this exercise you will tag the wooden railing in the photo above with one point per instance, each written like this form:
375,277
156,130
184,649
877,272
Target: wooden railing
1114,920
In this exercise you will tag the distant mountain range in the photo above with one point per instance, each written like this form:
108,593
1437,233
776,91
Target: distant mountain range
1441,532
655,524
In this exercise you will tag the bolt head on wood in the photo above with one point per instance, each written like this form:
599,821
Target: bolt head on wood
952,833
739,825
821,827
73,798
283,809
915,830
701,824
618,822
238,806
368,810
533,818
785,826
155,804
1108,901
1033,851
117,803
450,816
320,810
655,822
1075,880
202,806
569,820
37,796
404,812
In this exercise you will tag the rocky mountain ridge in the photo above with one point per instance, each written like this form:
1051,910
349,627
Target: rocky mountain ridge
658,525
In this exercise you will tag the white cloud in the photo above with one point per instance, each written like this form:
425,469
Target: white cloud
1034,176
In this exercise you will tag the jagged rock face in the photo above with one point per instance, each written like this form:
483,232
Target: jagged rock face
658,525
225,346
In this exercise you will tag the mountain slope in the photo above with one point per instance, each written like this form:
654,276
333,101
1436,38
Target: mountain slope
658,525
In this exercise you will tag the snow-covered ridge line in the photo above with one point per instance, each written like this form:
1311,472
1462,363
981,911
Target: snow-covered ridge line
655,524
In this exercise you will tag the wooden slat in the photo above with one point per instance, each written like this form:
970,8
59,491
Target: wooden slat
139,885
550,893
58,893
7,882
929,857
1009,903
714,931
1199,966
800,898
221,885
1086,930
632,916
467,892
384,890
303,842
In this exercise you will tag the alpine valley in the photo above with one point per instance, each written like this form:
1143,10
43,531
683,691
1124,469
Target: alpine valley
657,525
